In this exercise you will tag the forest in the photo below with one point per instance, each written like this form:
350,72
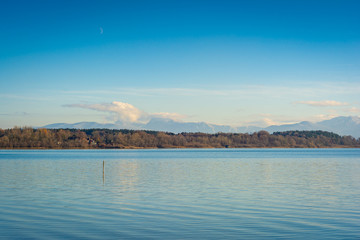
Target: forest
30,138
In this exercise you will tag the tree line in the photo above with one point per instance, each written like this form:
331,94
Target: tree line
29,138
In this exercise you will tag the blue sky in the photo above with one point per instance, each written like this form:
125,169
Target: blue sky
224,62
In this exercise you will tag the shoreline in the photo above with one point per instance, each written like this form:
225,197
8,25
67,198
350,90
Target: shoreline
145,148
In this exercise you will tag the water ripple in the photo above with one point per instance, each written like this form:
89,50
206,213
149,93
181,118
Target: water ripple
180,194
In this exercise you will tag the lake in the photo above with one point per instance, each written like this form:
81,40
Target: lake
180,194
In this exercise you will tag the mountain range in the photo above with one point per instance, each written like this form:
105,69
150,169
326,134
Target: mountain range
341,125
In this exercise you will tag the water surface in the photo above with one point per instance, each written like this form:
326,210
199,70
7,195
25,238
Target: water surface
180,194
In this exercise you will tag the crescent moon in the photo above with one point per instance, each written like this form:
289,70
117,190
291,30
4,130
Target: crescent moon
101,30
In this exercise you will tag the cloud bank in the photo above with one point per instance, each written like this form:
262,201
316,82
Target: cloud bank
126,112
327,103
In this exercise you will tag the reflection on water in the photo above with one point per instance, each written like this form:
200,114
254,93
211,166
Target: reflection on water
206,194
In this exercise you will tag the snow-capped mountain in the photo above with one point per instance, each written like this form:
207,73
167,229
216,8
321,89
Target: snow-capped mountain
340,125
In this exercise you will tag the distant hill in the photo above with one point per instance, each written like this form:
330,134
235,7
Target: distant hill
81,125
169,125
340,125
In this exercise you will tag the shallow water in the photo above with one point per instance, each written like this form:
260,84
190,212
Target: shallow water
180,193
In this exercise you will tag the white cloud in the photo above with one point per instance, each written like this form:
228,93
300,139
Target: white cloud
326,103
173,116
354,110
123,111
322,117
265,120
269,122
126,112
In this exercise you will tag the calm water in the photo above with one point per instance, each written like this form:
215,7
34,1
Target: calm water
180,194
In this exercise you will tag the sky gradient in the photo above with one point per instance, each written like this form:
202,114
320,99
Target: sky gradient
224,62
